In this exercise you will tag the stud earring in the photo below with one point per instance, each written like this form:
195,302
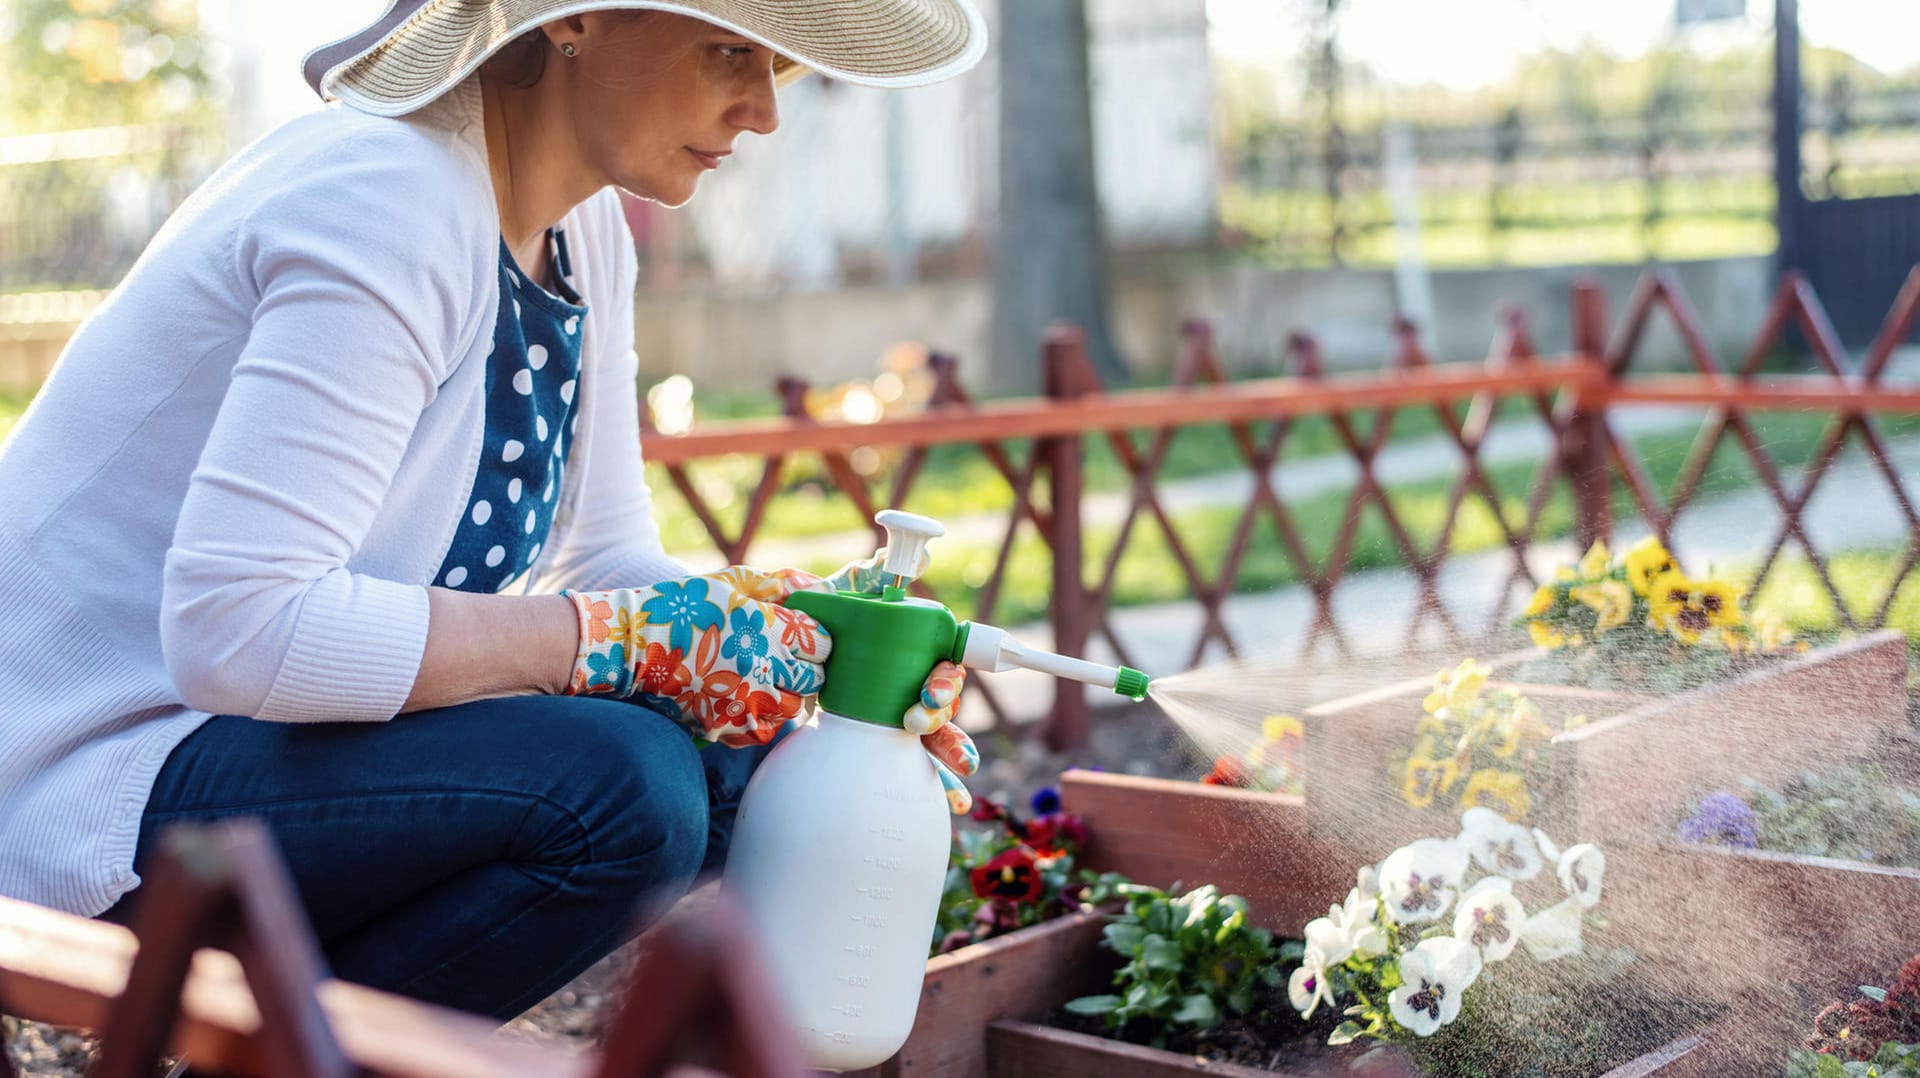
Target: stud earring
567,49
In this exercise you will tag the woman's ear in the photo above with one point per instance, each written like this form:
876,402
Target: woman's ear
565,31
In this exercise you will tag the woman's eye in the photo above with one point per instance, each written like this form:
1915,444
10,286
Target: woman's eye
736,52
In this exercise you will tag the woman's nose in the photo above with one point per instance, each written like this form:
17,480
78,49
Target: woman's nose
759,110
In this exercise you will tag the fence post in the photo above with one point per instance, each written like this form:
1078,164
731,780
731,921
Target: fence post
1583,444
1063,365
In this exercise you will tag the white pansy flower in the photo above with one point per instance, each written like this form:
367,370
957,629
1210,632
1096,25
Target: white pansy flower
1548,848
1488,883
1581,868
1329,937
1490,920
1418,880
1553,933
1368,880
1357,916
1499,846
1434,976
1308,987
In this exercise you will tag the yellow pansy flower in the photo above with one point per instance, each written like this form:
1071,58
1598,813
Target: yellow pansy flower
1610,600
1544,636
1512,733
1687,609
1285,729
1424,779
1505,792
1456,690
1594,564
1646,561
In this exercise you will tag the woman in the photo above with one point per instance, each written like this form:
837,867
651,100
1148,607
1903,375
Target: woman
333,515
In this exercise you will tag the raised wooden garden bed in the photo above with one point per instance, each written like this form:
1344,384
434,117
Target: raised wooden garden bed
1626,774
1024,1050
1162,832
1772,934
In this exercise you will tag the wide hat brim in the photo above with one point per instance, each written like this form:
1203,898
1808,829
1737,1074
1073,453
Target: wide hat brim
420,49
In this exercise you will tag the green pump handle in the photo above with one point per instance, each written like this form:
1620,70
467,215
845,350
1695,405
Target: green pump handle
883,646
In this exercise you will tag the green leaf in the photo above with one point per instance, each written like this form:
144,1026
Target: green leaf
1093,1004
1344,1033
1198,1010
1878,995
1160,954
1125,937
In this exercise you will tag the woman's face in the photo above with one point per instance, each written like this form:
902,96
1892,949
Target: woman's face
658,98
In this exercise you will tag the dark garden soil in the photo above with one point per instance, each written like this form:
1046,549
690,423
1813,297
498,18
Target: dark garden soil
1578,1038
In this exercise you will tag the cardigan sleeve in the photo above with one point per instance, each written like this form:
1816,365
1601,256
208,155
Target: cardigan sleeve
613,542
363,303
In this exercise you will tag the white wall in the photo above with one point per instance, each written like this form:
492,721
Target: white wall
780,211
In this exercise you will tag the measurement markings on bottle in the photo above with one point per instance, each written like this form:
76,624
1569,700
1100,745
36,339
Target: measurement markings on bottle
884,864
861,950
854,980
870,920
891,834
875,894
839,1036
850,1010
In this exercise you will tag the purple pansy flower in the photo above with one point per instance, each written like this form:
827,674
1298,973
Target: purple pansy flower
1046,801
1723,820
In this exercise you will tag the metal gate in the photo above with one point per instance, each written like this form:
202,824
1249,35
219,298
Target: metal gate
1856,251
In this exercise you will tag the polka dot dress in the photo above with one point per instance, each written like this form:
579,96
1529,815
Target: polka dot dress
532,375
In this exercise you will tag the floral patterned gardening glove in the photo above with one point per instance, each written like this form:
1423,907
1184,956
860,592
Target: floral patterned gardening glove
752,661
717,653
953,752
866,575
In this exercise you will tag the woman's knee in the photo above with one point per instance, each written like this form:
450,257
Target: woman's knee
635,783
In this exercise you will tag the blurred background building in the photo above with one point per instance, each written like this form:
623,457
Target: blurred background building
1271,164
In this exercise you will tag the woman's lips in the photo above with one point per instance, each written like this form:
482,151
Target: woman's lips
707,160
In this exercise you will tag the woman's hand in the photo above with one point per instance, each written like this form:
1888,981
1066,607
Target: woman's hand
953,752
718,652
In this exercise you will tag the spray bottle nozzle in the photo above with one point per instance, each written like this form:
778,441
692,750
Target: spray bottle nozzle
984,647
907,538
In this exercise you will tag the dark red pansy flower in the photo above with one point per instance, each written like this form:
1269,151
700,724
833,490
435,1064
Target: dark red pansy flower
1011,876
1227,771
986,811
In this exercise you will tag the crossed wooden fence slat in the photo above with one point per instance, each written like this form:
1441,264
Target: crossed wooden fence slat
257,1003
1575,398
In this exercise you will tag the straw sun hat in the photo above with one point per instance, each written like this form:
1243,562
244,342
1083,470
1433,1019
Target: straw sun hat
420,49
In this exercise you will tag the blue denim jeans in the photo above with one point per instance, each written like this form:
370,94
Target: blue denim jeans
477,856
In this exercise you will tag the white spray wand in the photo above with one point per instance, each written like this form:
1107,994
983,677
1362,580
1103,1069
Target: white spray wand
985,647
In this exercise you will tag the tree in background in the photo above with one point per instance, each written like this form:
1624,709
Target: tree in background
74,213
1050,251
95,63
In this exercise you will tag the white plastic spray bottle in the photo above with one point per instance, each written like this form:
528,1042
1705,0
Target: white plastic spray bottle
840,847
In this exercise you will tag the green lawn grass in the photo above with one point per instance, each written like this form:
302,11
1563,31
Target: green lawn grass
1618,220
1794,591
